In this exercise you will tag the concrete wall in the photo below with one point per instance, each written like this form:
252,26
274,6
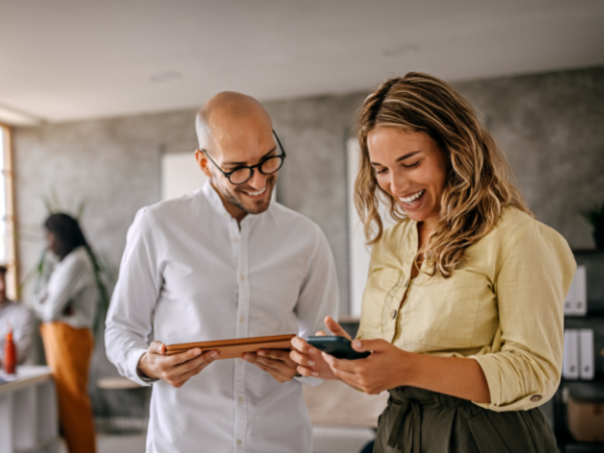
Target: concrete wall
549,126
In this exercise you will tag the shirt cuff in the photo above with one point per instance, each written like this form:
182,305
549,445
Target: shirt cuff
495,381
140,379
308,380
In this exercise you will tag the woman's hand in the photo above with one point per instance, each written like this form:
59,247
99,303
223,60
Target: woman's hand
309,359
384,369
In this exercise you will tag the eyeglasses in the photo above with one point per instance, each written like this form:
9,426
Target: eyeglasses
243,174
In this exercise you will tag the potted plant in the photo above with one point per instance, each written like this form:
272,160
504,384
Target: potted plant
596,218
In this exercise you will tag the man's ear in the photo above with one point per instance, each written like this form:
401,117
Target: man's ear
203,162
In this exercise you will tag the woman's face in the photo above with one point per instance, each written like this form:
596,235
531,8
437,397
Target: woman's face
51,242
411,167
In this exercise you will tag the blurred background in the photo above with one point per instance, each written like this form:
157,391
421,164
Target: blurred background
97,107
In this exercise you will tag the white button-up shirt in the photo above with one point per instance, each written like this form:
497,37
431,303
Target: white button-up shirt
191,273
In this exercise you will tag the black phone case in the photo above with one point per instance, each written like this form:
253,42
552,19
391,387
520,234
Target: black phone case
339,347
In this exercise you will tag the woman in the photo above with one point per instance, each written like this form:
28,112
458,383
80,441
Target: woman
66,305
463,305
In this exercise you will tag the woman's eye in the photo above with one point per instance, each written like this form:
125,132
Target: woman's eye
412,165
379,172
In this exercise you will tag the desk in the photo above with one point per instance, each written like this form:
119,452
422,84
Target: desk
28,412
333,403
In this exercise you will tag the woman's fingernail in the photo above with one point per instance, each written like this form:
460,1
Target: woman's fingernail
312,351
356,344
262,353
197,352
315,374
311,363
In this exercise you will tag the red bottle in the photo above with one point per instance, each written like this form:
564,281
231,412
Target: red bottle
10,354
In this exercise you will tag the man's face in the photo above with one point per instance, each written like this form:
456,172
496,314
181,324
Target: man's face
248,144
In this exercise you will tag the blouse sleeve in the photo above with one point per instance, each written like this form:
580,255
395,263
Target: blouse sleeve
65,283
531,285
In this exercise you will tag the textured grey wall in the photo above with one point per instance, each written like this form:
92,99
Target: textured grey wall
549,125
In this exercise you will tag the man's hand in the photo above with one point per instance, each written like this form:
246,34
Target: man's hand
275,362
175,369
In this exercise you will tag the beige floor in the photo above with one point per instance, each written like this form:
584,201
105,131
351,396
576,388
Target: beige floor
326,440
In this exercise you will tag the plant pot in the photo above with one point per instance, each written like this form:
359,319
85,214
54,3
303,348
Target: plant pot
599,238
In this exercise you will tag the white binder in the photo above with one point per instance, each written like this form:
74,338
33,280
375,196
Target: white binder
576,299
586,355
570,364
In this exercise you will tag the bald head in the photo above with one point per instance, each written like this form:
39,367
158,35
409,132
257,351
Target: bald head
226,113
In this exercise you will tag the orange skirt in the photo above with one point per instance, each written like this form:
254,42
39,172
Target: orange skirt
68,351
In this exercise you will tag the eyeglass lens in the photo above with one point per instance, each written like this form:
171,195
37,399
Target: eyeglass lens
269,166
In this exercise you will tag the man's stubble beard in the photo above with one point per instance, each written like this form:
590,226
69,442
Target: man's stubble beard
230,195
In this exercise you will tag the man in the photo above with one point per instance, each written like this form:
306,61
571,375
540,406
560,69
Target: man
16,317
223,262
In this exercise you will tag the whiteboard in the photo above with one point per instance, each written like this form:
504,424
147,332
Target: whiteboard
359,253
180,175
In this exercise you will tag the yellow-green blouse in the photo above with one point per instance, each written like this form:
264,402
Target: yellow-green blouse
502,306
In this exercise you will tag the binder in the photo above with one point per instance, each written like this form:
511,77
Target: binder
570,364
586,355
576,299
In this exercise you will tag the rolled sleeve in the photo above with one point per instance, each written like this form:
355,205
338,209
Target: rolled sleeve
128,323
523,369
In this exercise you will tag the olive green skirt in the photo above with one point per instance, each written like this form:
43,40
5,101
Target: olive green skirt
421,421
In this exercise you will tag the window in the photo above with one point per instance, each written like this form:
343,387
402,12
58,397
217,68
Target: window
8,249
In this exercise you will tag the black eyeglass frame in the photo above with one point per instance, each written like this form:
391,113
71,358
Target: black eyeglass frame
227,175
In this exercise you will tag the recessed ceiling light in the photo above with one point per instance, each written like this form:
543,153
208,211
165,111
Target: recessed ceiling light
165,77
401,50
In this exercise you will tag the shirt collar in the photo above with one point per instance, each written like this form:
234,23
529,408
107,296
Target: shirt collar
215,200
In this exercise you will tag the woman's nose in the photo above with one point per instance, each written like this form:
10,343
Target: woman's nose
398,184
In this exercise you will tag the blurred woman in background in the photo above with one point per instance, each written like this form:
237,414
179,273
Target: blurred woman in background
66,304
463,305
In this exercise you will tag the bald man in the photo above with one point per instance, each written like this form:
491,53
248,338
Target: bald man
223,262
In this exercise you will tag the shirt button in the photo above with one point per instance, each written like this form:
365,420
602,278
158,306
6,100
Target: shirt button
393,314
240,360
536,398
235,240
239,441
242,319
240,399
242,277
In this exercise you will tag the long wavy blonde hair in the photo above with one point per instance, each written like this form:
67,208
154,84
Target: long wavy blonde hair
478,183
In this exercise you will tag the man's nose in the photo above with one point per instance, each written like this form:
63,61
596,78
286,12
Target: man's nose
258,180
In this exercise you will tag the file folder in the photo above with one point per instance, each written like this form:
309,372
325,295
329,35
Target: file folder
570,364
586,355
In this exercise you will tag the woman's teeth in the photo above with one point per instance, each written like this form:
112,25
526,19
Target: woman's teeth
412,198
255,194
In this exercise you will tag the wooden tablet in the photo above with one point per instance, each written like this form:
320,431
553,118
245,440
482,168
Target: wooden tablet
235,348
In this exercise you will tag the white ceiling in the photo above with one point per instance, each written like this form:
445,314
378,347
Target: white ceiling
65,60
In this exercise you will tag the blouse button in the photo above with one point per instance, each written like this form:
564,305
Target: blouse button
536,398
393,314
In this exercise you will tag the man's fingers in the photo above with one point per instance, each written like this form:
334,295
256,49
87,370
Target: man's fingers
180,380
277,354
157,348
302,346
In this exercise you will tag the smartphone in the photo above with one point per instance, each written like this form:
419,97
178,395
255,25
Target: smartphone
339,347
